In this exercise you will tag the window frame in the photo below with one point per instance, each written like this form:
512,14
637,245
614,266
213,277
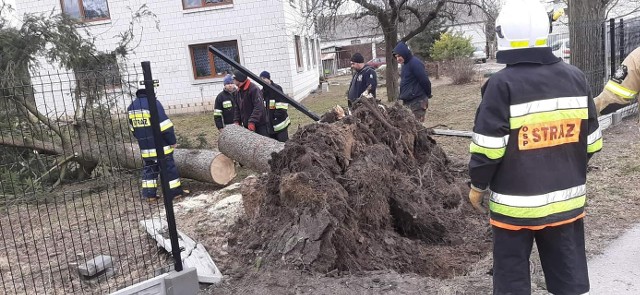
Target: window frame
83,18
315,54
307,50
297,45
212,67
205,5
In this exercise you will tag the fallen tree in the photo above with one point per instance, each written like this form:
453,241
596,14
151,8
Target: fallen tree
203,165
87,133
248,148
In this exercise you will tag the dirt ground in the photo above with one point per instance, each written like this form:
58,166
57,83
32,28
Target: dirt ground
613,203
42,253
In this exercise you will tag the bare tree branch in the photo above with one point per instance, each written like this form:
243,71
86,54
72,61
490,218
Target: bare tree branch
41,146
424,22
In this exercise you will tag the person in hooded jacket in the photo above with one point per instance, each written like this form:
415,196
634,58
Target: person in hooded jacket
415,87
250,112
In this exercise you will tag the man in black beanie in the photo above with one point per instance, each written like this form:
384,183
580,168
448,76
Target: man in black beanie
250,112
363,77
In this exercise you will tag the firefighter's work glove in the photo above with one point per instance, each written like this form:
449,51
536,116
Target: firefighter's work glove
251,126
475,197
339,111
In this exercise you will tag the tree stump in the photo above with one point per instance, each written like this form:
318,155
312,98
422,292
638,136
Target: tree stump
248,148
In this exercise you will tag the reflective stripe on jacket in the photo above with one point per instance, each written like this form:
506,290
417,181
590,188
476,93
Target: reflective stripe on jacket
534,133
140,125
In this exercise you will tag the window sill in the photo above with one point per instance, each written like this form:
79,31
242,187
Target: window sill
96,23
207,81
206,8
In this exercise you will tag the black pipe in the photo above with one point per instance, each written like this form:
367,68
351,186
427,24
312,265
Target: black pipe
164,180
253,76
621,46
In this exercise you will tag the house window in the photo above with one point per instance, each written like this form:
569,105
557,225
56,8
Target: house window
298,47
102,73
313,53
308,52
86,10
206,65
189,4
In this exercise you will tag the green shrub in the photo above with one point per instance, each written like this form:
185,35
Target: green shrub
451,46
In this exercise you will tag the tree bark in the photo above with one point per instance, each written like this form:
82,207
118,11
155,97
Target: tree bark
585,31
203,165
391,72
248,148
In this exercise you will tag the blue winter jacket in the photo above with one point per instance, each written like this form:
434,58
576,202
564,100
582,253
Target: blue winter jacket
140,125
414,82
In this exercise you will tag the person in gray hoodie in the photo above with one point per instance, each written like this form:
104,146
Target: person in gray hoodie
415,87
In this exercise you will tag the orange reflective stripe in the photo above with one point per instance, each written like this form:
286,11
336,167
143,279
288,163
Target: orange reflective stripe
533,227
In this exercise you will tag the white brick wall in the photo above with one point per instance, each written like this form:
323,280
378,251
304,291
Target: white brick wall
268,45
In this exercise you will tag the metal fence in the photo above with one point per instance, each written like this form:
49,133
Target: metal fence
70,186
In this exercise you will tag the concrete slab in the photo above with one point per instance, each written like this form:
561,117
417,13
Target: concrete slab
616,271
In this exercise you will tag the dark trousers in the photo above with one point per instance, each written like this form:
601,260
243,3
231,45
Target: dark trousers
262,130
562,254
282,135
418,107
150,181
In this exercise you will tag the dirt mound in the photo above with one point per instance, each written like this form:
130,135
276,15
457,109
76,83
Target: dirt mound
372,191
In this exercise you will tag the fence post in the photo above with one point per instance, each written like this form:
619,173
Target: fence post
612,47
621,45
164,180
603,56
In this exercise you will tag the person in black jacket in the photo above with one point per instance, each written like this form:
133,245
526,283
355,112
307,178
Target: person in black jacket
277,108
364,76
415,87
535,130
250,112
225,105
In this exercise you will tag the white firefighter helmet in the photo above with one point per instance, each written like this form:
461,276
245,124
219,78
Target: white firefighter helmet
522,24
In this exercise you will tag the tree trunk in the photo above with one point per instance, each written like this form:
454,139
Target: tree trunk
391,72
202,165
585,31
248,148
205,165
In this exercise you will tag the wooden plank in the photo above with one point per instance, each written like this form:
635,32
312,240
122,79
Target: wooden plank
460,133
192,255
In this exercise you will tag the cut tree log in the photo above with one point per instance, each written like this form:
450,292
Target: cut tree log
205,165
248,148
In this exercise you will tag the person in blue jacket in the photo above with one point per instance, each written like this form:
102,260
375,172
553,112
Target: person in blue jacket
140,125
415,87
364,77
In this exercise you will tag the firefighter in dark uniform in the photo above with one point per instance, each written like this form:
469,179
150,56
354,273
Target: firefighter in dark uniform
277,107
535,130
140,125
225,104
